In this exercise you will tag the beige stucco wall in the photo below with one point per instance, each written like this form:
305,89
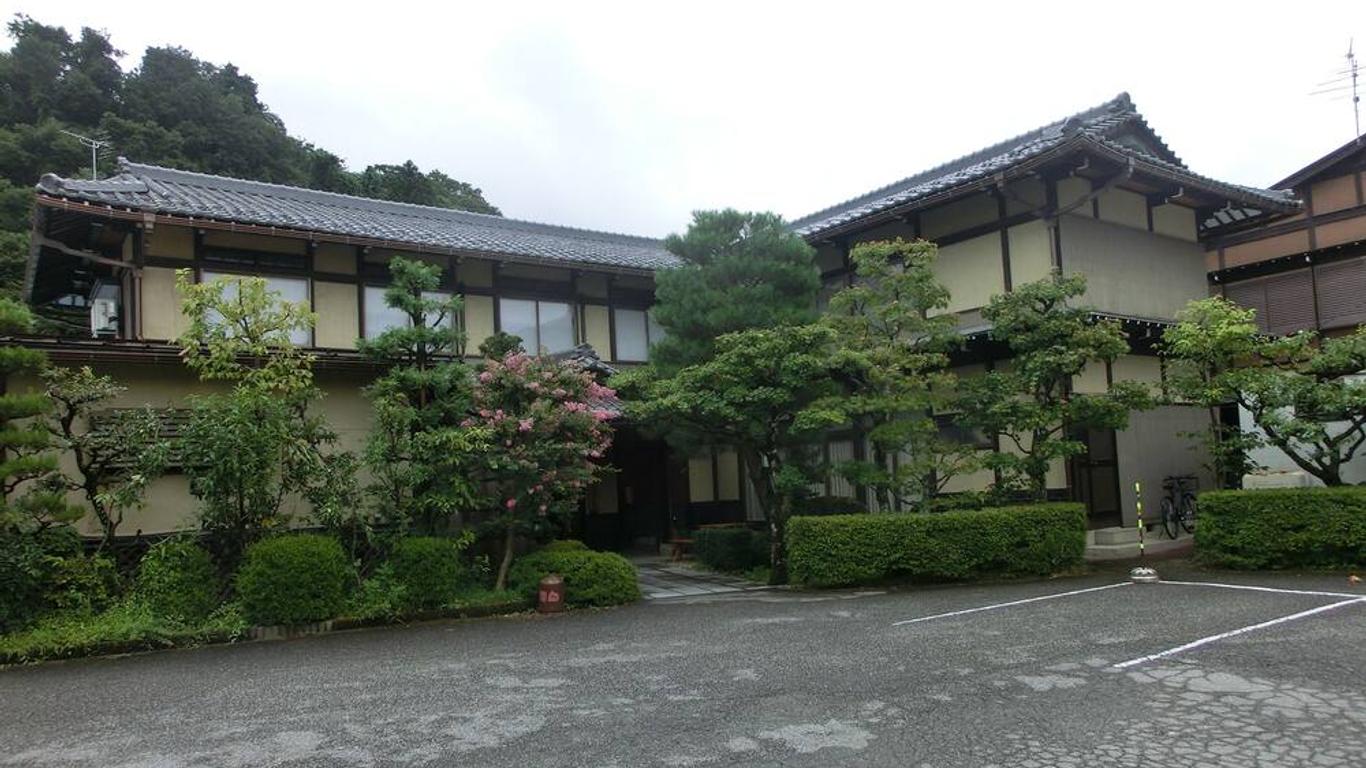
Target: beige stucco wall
1072,189
1120,206
959,215
335,257
476,273
1155,446
246,242
700,485
159,302
1132,272
1143,369
597,330
971,270
169,505
728,474
338,309
1266,248
1031,255
1175,221
169,242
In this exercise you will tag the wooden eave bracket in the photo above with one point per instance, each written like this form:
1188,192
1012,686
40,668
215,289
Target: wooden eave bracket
63,248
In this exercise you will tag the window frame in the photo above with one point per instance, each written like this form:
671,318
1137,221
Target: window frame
305,278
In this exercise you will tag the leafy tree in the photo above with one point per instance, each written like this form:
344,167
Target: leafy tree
893,341
406,183
548,427
117,453
419,454
766,392
34,497
739,271
247,449
1029,401
1303,392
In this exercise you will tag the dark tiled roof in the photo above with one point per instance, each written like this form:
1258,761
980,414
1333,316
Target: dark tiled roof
1115,125
160,190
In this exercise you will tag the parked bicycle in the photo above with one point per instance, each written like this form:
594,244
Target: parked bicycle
1178,506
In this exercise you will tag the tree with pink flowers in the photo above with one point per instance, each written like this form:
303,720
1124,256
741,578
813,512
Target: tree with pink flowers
548,425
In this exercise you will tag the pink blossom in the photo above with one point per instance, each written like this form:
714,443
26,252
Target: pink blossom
525,425
485,377
510,503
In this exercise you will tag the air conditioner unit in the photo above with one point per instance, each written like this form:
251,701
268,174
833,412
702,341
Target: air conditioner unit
104,317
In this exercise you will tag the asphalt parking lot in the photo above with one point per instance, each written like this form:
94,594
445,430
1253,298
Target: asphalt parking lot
1067,672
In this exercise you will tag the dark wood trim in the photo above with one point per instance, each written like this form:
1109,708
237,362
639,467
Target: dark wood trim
1314,291
1005,241
1309,217
1288,227
611,320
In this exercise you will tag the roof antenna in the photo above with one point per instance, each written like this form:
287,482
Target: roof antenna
95,146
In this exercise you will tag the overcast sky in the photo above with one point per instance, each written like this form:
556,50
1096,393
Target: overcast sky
628,116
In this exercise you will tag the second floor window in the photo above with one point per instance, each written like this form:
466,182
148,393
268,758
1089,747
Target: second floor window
380,317
291,289
546,327
636,330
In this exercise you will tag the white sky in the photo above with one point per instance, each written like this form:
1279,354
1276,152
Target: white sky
627,116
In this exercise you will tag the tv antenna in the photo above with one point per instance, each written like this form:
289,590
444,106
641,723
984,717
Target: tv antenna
95,146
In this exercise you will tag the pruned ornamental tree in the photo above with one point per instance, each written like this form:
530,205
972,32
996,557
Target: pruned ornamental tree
1029,401
247,449
768,394
1304,392
34,497
117,452
893,340
420,456
739,271
547,421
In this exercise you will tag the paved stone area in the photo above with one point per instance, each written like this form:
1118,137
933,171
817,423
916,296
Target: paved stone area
763,678
661,579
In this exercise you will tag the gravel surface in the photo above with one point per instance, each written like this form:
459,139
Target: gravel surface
762,678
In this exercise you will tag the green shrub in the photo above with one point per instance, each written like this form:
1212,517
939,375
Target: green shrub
177,580
293,579
1283,528
430,570
565,545
590,578
380,596
27,565
80,584
731,549
843,550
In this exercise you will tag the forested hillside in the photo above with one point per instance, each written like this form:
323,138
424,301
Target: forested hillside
172,109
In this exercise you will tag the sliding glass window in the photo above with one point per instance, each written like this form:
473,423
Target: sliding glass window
545,327
291,289
636,330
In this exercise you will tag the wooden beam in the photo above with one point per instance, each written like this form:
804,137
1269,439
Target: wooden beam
63,248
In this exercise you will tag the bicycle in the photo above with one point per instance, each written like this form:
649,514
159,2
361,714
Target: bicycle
1178,506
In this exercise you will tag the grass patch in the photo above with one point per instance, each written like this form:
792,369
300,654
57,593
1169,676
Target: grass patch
128,626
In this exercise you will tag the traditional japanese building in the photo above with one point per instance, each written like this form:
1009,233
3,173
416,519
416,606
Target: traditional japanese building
1098,192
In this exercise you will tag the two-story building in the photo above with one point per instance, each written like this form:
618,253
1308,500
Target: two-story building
109,250
1303,270
1098,192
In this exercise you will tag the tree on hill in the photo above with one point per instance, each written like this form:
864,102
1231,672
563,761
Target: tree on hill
173,110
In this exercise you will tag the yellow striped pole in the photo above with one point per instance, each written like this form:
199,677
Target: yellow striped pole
1138,504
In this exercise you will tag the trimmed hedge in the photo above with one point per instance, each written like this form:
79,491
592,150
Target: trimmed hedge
565,545
845,550
1283,528
730,549
293,579
431,570
590,578
177,580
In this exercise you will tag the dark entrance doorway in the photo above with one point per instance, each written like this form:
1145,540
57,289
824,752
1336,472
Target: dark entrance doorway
629,508
1096,474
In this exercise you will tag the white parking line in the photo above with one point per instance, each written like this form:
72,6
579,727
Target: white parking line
1261,589
1009,604
1234,632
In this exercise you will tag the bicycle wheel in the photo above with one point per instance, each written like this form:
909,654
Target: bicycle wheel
1188,512
1169,518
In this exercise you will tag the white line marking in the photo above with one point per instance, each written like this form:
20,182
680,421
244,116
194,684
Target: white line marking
1234,632
1009,604
1262,589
